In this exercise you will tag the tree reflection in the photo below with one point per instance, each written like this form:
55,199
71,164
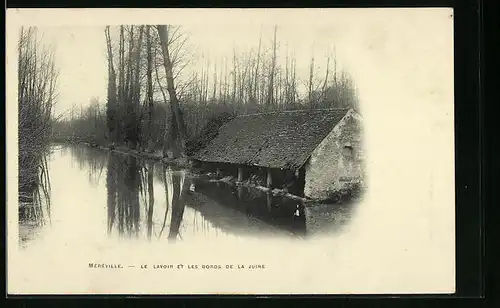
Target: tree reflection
127,179
150,182
176,186
123,186
179,191
112,188
278,211
131,190
34,199
91,160
165,182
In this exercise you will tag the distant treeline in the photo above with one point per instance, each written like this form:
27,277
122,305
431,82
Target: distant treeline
148,81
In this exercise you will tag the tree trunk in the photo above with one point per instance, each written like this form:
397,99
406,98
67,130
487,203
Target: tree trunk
111,106
294,82
257,71
220,83
137,91
149,76
311,73
325,83
234,76
176,112
270,93
215,83
121,87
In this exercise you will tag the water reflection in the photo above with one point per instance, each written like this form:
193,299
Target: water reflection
34,202
89,160
142,199
281,212
130,185
123,187
151,195
178,191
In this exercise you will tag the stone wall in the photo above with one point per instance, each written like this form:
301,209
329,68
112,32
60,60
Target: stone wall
337,163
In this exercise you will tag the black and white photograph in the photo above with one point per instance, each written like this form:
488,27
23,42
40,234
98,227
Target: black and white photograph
230,151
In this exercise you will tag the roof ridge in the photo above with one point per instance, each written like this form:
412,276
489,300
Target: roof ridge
294,111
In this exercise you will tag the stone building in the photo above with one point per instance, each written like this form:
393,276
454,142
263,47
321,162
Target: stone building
311,153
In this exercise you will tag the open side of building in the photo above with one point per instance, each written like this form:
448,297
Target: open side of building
311,153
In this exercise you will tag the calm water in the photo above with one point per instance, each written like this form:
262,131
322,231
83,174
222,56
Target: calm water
99,207
90,193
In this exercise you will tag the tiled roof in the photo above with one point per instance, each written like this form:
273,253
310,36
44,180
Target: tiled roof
283,139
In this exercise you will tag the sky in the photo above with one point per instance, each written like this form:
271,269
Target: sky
81,52
402,45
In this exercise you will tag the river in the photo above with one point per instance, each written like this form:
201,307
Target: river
100,207
103,195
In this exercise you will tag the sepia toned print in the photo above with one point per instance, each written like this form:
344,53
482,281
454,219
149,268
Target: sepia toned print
219,156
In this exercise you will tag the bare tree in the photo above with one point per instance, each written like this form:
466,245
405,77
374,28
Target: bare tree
37,84
112,99
234,75
149,77
311,76
220,83
255,81
214,94
270,93
293,90
176,112
325,82
257,69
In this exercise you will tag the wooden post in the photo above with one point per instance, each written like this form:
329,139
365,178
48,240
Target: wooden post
240,174
240,192
269,202
219,175
269,178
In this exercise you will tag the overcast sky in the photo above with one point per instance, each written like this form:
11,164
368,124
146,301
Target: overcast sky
410,46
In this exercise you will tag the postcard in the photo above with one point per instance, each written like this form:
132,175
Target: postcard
230,151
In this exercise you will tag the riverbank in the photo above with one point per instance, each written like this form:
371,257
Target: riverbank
186,163
156,156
